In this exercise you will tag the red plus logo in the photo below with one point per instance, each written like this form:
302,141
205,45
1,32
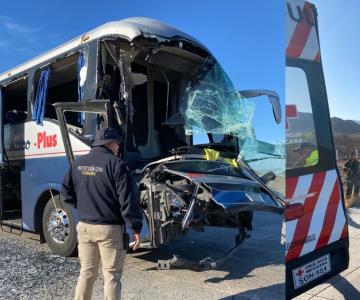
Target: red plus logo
46,141
291,112
299,272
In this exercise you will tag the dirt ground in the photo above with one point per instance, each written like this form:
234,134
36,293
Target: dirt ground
29,271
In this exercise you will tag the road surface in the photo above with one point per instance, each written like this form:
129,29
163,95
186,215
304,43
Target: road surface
29,271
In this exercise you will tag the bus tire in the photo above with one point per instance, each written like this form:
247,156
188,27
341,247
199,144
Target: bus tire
59,228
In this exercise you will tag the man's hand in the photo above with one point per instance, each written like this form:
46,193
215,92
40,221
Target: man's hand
136,241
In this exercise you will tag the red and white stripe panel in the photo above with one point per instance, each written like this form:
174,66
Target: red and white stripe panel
324,219
301,37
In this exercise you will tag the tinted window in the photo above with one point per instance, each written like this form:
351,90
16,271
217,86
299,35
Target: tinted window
301,143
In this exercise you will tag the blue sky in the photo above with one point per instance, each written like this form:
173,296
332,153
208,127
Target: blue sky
339,31
247,37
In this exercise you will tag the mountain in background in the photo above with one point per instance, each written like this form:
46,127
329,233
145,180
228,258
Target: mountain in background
341,126
356,121
304,123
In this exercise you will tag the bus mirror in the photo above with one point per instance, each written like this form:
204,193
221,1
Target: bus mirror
273,98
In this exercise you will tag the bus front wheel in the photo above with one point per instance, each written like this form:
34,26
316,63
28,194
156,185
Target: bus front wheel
59,228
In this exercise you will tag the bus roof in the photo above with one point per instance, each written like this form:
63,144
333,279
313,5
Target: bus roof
128,29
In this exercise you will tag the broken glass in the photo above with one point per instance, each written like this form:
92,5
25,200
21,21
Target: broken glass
213,105
263,157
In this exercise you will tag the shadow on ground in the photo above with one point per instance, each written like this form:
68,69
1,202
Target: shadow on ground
353,210
263,248
340,284
257,293
346,289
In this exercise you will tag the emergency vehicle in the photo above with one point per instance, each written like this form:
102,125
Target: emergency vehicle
189,139
317,241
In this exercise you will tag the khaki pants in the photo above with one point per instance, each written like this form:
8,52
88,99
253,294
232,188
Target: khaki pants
97,242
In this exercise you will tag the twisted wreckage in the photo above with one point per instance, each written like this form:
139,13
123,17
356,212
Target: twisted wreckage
190,142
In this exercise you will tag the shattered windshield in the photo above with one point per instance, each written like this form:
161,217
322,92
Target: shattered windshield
213,105
215,112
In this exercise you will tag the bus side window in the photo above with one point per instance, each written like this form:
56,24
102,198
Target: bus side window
15,101
301,143
140,120
62,86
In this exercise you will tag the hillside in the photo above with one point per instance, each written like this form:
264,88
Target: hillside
346,132
304,123
341,126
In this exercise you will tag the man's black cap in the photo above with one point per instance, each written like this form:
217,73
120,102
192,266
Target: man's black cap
107,135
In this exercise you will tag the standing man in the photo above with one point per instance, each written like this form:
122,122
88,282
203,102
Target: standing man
351,168
99,185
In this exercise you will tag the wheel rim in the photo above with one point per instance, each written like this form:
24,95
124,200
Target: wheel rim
58,226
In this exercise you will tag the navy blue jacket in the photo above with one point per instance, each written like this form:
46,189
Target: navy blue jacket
100,186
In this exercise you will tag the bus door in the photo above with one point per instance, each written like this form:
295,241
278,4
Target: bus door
1,130
316,229
94,114
1,154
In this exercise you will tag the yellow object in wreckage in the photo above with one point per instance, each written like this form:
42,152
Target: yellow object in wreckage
211,154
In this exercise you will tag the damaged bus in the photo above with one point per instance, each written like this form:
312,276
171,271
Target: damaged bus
316,239
189,139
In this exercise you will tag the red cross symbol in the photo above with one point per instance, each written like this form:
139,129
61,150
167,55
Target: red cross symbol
299,273
291,112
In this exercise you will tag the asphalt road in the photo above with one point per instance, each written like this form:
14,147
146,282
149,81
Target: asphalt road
29,271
